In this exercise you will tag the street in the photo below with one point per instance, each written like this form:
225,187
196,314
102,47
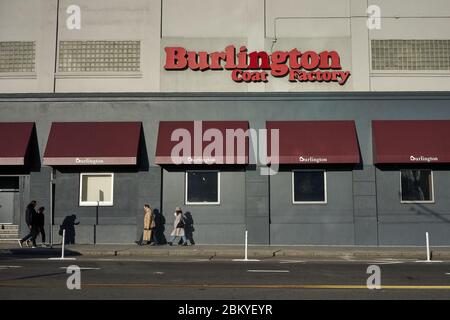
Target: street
204,279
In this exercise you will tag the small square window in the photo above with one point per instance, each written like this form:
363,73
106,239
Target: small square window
309,186
96,189
202,187
417,186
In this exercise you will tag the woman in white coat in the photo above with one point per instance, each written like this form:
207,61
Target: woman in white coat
178,227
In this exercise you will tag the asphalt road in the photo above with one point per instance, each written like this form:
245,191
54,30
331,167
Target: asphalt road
203,279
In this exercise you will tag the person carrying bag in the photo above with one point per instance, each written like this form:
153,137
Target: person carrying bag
178,227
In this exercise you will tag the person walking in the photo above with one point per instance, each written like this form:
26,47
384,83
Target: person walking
31,221
40,222
149,224
178,227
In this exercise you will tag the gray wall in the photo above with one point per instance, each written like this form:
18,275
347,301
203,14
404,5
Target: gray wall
363,206
213,224
406,223
330,223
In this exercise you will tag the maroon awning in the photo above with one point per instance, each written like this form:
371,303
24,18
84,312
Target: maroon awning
14,141
202,142
314,142
411,141
93,143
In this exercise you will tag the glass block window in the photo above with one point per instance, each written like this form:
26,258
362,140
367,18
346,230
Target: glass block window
99,56
17,56
410,55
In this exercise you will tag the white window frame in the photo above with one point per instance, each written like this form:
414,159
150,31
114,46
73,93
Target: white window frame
96,203
324,187
186,202
417,201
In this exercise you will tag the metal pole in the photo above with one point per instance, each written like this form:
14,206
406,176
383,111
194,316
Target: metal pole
246,244
428,246
51,209
63,242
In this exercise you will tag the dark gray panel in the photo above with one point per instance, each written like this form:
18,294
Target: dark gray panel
364,188
312,234
413,233
366,173
258,230
366,231
116,234
365,205
216,233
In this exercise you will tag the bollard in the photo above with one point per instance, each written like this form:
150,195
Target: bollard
245,250
62,248
246,245
427,240
63,243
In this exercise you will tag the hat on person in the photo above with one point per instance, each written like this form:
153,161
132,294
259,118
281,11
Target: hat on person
177,209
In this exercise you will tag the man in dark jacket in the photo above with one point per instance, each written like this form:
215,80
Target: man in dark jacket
40,221
30,218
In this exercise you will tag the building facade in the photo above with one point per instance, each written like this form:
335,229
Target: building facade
92,94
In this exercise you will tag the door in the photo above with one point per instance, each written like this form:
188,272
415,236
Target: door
9,187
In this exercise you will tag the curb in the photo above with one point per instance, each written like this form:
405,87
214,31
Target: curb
231,253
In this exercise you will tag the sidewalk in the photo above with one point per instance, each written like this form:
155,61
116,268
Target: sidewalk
232,251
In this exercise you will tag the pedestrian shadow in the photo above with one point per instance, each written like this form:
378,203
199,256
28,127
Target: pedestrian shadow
160,227
69,224
189,227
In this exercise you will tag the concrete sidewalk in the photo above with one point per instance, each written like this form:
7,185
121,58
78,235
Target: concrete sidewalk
232,251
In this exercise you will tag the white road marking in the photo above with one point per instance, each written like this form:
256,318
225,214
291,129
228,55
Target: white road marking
10,267
426,261
269,271
292,261
158,272
384,262
83,268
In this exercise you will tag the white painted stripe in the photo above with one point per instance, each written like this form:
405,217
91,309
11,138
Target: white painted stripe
384,262
9,267
269,271
292,261
83,268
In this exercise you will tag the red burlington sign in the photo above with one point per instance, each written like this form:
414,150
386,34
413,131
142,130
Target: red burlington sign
308,66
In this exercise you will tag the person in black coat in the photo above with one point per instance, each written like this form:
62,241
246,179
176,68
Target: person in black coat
31,220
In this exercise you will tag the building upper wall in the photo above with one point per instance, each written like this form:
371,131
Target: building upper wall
85,64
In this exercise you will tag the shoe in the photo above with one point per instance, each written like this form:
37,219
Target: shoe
170,243
20,243
153,244
185,244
